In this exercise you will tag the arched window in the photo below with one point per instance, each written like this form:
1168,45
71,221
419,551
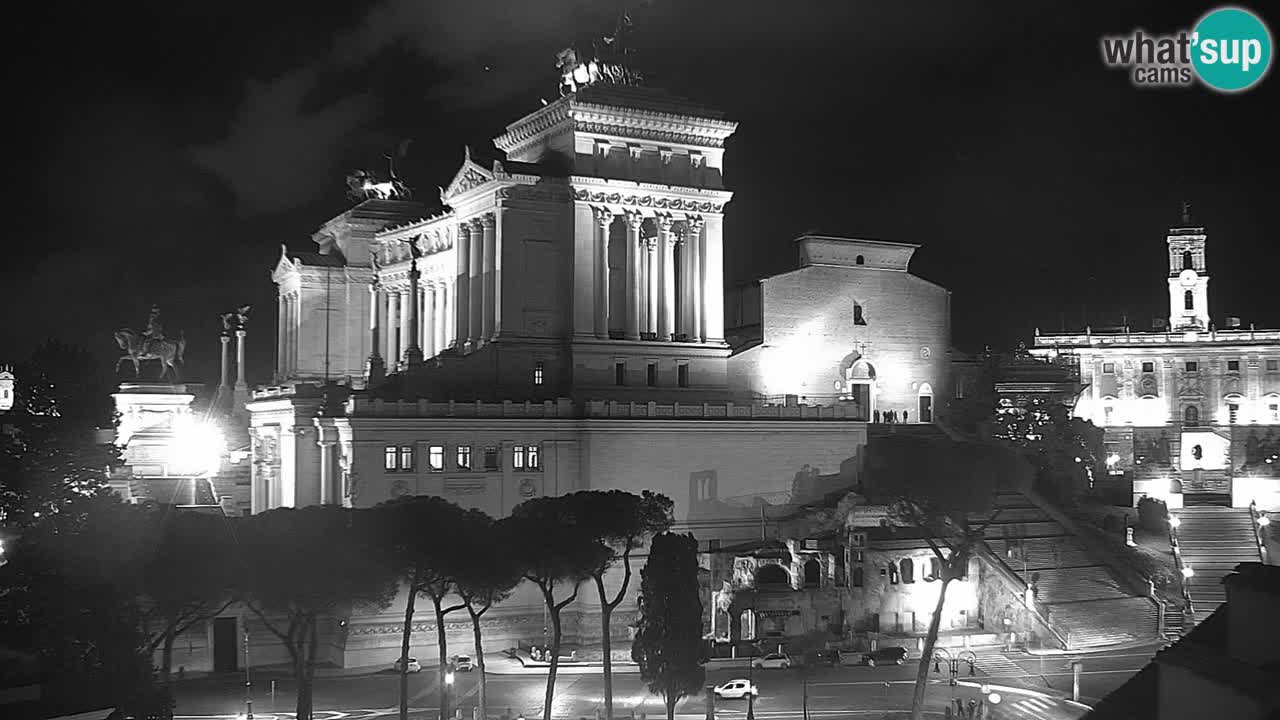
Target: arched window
858,319
857,577
773,575
812,574
908,570
1188,262
859,260
1188,300
1191,415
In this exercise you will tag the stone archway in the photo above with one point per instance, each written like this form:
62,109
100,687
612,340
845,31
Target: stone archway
924,403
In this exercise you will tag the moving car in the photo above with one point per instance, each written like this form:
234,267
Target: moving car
463,663
773,660
414,665
885,656
737,689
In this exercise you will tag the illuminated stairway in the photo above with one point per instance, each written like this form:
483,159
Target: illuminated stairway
1212,541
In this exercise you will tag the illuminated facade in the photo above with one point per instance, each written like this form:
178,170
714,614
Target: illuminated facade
1188,408
6,388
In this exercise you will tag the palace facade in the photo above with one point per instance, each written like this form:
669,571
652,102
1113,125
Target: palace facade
1189,408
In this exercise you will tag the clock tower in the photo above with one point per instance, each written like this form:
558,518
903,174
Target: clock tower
1188,278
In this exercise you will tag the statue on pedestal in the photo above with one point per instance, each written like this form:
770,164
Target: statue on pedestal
151,344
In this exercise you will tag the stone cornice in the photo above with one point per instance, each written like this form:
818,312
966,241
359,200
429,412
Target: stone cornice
649,197
533,125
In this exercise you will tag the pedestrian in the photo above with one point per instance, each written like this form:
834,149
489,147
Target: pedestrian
904,415
877,417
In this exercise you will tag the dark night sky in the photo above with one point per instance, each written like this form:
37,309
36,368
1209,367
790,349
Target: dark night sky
173,146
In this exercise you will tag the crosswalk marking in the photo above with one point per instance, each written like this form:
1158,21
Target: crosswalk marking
997,665
1035,707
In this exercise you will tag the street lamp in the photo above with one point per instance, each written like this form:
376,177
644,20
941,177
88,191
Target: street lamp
248,684
448,684
1174,521
1187,572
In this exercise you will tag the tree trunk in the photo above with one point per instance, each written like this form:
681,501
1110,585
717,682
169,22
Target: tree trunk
926,655
475,632
166,656
671,706
606,647
555,654
404,651
443,651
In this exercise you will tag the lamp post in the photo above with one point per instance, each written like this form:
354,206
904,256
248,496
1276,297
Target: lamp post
448,684
248,682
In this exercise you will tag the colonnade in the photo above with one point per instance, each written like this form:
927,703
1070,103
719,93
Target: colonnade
393,313
290,322
665,278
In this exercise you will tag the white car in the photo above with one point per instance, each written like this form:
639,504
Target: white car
775,660
737,689
463,663
414,665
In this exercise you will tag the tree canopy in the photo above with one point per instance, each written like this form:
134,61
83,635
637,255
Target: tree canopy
668,642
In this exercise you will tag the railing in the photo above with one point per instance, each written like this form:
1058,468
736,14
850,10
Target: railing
1039,609
1255,516
727,411
560,408
1177,557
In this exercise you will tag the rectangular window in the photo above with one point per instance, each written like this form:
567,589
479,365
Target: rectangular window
1109,368
1193,366
533,457
682,375
491,458
517,457
464,457
1233,413
651,374
1273,365
619,373
537,373
435,458
1233,366
406,457
1106,414
1148,367
1274,410
389,458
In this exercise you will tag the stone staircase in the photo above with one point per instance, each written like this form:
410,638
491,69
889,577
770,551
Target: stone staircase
1206,487
1212,541
1087,605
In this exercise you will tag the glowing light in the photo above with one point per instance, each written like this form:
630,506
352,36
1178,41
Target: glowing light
994,698
1174,521
448,678
1187,572
1263,521
1112,459
197,447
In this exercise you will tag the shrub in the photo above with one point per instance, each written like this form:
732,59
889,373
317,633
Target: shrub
1153,514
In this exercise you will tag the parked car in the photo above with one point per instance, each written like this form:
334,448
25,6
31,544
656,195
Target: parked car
773,660
463,663
827,657
885,656
736,689
414,665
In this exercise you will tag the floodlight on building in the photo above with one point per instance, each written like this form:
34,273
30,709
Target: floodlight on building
1187,572
1174,521
1112,459
197,446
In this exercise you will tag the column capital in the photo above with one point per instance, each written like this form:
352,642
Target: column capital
464,227
650,243
665,223
634,219
694,223
603,216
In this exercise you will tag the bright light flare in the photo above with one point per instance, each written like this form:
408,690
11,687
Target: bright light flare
1187,572
1112,459
1174,521
448,678
197,447
1263,521
994,698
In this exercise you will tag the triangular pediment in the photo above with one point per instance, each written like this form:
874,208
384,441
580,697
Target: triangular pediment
284,266
471,175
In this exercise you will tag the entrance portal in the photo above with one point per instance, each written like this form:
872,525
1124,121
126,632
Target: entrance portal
225,647
924,411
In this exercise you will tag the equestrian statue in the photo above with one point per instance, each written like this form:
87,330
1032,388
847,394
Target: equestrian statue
151,344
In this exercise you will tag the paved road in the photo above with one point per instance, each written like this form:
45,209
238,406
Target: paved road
831,692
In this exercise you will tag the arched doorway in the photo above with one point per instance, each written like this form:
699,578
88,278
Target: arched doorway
772,576
860,382
812,574
924,401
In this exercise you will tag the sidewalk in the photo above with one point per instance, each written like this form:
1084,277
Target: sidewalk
1095,650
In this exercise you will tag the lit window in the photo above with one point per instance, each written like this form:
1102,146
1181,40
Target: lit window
1274,410
620,373
491,458
435,458
1233,366
682,375
537,373
517,457
389,458
1148,367
1193,366
464,457
651,374
1233,413
1108,368
406,457
1106,414
533,458
1273,365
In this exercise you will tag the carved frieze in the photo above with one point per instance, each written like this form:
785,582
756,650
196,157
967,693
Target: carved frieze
648,201
538,194
648,133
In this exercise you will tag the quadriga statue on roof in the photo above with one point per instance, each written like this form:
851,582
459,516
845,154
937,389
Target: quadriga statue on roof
151,344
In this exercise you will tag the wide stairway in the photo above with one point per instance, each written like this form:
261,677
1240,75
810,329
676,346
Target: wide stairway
1087,605
1212,541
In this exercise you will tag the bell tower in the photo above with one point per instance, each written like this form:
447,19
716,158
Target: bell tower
6,387
1188,276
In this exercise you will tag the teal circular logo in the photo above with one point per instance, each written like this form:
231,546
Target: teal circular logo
1231,49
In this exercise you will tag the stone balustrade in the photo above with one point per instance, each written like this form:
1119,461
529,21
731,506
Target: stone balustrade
564,408
1223,337
361,406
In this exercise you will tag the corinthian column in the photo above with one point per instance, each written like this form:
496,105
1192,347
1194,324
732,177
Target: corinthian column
462,286
375,369
393,317
667,271
634,221
281,309
604,220
429,345
488,271
697,329
653,288
475,329
413,351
